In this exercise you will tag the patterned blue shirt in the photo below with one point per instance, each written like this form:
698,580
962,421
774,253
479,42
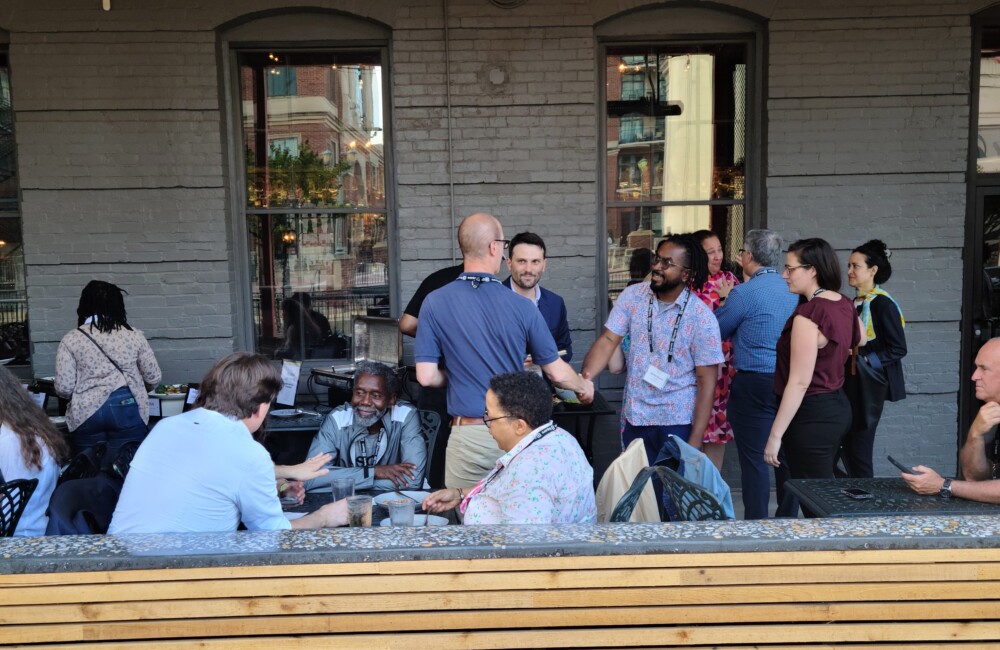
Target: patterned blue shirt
753,316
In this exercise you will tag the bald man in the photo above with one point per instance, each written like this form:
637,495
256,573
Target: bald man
473,329
979,454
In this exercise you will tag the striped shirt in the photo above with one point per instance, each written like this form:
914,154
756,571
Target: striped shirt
753,316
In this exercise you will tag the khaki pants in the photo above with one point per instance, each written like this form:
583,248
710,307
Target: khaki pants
472,453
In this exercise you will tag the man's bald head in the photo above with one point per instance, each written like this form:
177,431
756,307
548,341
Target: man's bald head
987,373
476,233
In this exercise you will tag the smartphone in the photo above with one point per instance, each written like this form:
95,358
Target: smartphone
858,494
903,468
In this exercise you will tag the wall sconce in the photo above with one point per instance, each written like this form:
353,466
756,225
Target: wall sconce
106,5
288,237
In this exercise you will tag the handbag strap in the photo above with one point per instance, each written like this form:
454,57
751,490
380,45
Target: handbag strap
854,350
94,341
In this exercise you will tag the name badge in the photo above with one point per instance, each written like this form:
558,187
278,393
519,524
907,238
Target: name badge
655,377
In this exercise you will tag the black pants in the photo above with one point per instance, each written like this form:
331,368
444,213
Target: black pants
436,399
859,444
815,434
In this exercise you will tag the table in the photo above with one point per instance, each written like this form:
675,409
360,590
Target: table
288,439
825,498
571,416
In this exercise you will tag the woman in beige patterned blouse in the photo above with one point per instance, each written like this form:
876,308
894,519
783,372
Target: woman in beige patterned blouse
101,366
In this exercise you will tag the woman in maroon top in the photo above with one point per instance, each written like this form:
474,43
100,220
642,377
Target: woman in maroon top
814,414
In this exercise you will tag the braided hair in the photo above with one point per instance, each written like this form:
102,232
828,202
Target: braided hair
104,301
697,260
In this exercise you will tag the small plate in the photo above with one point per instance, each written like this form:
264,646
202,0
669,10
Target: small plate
285,413
419,497
153,393
418,521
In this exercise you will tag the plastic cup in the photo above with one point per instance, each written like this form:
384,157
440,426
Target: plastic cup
341,488
401,511
359,511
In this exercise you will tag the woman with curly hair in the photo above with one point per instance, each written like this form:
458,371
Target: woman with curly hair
30,448
713,293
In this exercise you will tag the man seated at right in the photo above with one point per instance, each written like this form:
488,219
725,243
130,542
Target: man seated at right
203,472
375,440
979,467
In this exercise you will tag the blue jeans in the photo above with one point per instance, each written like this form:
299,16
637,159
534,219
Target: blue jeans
654,437
116,422
751,411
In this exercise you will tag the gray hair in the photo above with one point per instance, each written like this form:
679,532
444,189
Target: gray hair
376,369
764,246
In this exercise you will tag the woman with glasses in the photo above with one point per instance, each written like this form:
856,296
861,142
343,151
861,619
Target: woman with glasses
882,319
813,414
713,293
543,476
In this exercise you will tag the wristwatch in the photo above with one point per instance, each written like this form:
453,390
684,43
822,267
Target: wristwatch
945,491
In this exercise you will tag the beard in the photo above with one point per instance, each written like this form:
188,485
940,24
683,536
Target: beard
367,421
665,286
528,283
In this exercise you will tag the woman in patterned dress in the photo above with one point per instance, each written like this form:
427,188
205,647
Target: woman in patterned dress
714,292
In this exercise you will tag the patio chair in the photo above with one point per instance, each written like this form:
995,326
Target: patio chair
124,458
83,506
693,502
14,497
430,424
85,464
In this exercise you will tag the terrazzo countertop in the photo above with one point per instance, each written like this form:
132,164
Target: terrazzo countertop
192,550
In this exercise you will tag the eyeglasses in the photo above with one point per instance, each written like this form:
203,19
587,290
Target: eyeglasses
789,269
666,262
741,251
506,243
487,419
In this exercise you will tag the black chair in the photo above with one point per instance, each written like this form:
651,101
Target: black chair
123,460
86,464
83,506
430,424
693,502
14,497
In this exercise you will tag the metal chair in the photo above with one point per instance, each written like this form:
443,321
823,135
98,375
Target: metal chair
14,497
693,502
86,464
430,424
124,458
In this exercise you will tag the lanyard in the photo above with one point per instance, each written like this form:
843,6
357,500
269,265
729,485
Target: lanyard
476,280
677,325
764,271
498,470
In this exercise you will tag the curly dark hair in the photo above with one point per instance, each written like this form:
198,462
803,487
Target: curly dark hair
697,260
104,301
876,254
523,395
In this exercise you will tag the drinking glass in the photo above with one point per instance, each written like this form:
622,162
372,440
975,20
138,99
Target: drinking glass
359,511
341,488
401,511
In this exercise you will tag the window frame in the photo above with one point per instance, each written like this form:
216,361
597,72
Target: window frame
244,334
752,36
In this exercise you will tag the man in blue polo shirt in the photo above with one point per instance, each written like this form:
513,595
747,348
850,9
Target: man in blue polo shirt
752,315
475,328
526,266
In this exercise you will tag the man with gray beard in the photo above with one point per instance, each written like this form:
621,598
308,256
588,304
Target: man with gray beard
375,439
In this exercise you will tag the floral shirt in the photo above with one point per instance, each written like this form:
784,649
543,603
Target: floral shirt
542,480
697,344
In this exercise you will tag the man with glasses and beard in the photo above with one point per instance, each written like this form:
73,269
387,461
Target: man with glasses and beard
375,439
675,350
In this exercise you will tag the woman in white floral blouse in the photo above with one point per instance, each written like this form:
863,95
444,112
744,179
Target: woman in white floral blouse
543,478
103,367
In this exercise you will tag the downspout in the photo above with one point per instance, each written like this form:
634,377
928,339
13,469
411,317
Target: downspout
447,107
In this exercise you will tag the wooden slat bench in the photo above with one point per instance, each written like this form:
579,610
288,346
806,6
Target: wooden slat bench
863,598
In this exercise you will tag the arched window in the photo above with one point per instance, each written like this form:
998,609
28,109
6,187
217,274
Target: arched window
682,90
310,156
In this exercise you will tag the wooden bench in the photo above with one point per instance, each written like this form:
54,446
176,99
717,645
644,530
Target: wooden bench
936,597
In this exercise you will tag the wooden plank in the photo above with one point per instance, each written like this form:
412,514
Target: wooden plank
880,595
667,560
591,579
620,617
729,636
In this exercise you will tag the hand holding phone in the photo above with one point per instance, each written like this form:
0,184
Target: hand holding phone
903,468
